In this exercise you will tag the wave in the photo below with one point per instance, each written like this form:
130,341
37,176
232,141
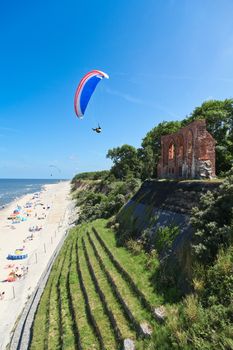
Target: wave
11,189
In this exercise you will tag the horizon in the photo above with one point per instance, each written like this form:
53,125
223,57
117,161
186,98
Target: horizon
163,60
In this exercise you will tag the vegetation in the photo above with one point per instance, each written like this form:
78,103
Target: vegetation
96,286
142,162
82,307
150,150
92,175
104,284
203,320
103,200
164,237
219,119
213,222
126,162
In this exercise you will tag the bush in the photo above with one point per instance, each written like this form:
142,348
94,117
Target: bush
219,280
136,247
92,175
103,199
213,222
203,320
164,237
192,327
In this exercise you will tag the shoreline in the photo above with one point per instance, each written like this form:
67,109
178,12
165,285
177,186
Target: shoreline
21,334
40,249
42,187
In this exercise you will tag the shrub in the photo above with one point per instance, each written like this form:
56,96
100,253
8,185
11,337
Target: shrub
103,199
92,175
164,237
192,327
213,222
136,247
152,260
219,280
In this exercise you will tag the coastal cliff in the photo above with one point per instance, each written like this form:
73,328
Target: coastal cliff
159,204
170,201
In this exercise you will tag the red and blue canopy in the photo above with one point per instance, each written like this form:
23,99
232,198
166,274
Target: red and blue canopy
85,90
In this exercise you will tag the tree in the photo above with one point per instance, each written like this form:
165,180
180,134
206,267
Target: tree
149,153
125,162
219,119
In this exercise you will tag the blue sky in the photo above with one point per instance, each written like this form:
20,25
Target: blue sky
164,57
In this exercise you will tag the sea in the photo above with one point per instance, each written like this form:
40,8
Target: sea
11,189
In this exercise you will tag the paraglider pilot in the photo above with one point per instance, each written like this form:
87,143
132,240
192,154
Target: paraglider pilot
98,130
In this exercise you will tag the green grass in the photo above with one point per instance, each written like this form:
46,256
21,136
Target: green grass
115,307
46,327
62,320
52,336
87,336
41,320
95,304
68,339
132,301
135,265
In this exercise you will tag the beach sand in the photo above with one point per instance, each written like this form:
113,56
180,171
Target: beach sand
54,222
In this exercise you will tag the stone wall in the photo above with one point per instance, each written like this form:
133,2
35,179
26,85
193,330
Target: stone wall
188,153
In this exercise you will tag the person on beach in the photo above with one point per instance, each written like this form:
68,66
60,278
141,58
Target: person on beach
18,275
9,266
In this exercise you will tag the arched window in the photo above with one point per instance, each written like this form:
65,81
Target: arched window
180,150
171,151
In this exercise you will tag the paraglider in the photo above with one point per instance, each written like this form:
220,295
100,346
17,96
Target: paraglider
98,130
55,167
84,92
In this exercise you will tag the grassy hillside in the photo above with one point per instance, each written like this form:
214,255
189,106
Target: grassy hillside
97,295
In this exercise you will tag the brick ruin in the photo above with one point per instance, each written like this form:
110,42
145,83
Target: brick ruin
189,153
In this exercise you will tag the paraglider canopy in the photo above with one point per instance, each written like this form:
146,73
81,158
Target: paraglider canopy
55,167
85,90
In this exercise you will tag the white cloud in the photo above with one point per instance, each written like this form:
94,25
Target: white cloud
133,99
127,97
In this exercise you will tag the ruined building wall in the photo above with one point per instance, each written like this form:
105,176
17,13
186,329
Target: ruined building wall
188,153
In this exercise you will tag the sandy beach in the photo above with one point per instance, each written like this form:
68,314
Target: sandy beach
35,233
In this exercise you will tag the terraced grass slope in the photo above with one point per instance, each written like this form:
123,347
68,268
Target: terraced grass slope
97,295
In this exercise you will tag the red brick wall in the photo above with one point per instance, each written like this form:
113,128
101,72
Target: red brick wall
191,155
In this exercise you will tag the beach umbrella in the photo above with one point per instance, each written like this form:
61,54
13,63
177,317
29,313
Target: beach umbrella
11,279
